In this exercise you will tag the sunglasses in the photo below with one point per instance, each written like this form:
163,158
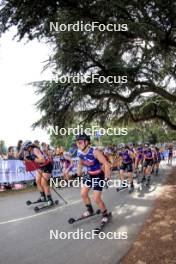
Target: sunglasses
80,142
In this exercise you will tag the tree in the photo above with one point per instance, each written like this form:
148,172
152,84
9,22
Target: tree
145,53
3,148
62,141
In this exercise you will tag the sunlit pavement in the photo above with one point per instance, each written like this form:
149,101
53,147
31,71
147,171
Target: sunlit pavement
25,235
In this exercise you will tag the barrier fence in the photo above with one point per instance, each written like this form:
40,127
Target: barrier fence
14,171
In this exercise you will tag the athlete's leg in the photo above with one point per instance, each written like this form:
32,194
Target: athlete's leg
97,192
144,171
149,169
157,167
130,173
86,200
98,200
122,178
45,185
145,165
153,166
39,185
85,195
123,182
136,166
38,181
130,177
65,172
133,164
171,159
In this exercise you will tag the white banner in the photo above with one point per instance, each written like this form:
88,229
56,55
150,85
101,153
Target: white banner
15,171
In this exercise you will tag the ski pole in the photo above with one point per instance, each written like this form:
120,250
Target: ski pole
59,195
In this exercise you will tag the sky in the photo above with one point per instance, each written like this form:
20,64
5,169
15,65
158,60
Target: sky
20,63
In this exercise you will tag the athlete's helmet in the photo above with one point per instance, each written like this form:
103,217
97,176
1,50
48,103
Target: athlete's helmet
83,137
130,144
122,145
27,144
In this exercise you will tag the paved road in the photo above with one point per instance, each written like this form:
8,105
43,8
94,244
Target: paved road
25,236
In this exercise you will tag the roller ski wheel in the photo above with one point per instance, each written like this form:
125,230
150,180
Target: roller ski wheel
28,202
56,202
36,209
73,220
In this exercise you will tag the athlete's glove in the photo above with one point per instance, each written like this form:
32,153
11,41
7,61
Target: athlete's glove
30,157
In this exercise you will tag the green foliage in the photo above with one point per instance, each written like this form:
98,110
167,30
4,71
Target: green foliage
62,141
145,53
3,148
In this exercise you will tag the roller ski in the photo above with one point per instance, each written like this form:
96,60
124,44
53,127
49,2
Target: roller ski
122,187
40,200
46,205
104,221
85,215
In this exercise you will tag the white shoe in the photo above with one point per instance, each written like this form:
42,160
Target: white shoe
86,214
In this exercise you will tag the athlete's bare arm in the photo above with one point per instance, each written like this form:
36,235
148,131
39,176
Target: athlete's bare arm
79,168
100,157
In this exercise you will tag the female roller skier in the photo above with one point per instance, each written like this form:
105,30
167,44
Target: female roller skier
44,170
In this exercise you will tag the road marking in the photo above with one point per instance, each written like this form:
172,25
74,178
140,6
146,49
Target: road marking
39,214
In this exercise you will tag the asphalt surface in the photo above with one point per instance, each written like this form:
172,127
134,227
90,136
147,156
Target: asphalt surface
27,237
